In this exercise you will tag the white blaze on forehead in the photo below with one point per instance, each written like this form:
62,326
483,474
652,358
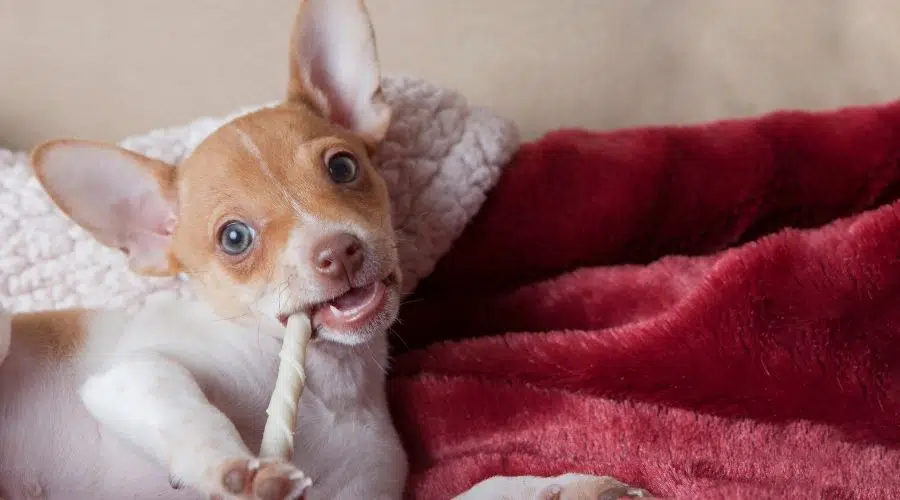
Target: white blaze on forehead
308,218
251,147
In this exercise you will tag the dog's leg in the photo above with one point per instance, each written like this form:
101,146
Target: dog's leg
564,487
158,406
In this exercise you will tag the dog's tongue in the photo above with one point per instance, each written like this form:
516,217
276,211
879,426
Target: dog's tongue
353,300
351,310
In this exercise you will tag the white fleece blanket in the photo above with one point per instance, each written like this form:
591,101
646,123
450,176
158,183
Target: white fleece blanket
440,159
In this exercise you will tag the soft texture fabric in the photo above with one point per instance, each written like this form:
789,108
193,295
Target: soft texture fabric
706,312
440,157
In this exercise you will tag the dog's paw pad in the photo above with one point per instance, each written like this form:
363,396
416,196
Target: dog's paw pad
255,479
279,481
235,480
273,488
236,476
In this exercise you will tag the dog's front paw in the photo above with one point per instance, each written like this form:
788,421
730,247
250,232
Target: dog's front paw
586,487
261,479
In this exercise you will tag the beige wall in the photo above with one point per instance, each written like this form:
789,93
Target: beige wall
107,68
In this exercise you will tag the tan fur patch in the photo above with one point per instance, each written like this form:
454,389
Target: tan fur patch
54,334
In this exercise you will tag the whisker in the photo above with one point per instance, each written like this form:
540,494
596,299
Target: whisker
375,359
412,301
232,318
393,332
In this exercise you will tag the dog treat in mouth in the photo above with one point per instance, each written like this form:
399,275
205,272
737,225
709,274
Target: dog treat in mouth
278,435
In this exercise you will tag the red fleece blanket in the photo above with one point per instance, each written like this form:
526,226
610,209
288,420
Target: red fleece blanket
706,312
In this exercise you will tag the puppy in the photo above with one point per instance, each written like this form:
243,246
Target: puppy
278,211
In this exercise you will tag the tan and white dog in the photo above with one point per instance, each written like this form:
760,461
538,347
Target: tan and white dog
278,211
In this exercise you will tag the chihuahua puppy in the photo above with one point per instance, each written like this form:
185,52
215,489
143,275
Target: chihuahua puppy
278,211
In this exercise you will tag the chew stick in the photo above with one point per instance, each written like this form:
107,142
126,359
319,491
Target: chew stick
278,435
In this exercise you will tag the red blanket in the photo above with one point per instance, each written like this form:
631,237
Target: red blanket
706,312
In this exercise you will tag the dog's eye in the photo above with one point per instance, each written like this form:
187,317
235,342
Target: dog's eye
235,237
342,167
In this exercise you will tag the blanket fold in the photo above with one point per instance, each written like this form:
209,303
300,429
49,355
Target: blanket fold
582,198
709,311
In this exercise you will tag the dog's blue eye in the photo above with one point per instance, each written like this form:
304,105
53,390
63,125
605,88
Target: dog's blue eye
235,237
342,168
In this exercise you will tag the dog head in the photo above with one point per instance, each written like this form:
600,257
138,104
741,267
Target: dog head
276,212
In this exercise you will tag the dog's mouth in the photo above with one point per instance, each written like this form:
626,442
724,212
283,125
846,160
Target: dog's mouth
351,310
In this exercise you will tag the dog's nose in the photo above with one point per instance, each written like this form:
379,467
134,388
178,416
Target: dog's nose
338,256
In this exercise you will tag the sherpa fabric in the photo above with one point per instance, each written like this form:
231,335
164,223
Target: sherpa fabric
439,159
706,312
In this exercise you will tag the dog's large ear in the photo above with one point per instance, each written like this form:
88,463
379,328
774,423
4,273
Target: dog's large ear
125,200
334,67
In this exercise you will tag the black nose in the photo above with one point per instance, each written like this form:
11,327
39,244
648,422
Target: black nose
338,256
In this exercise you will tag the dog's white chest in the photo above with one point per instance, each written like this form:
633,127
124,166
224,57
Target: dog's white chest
52,448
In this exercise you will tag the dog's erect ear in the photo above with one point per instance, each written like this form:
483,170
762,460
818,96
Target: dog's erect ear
125,200
334,67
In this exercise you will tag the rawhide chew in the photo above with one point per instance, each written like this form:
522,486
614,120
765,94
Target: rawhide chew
278,435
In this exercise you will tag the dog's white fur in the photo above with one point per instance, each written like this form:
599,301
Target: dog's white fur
144,383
